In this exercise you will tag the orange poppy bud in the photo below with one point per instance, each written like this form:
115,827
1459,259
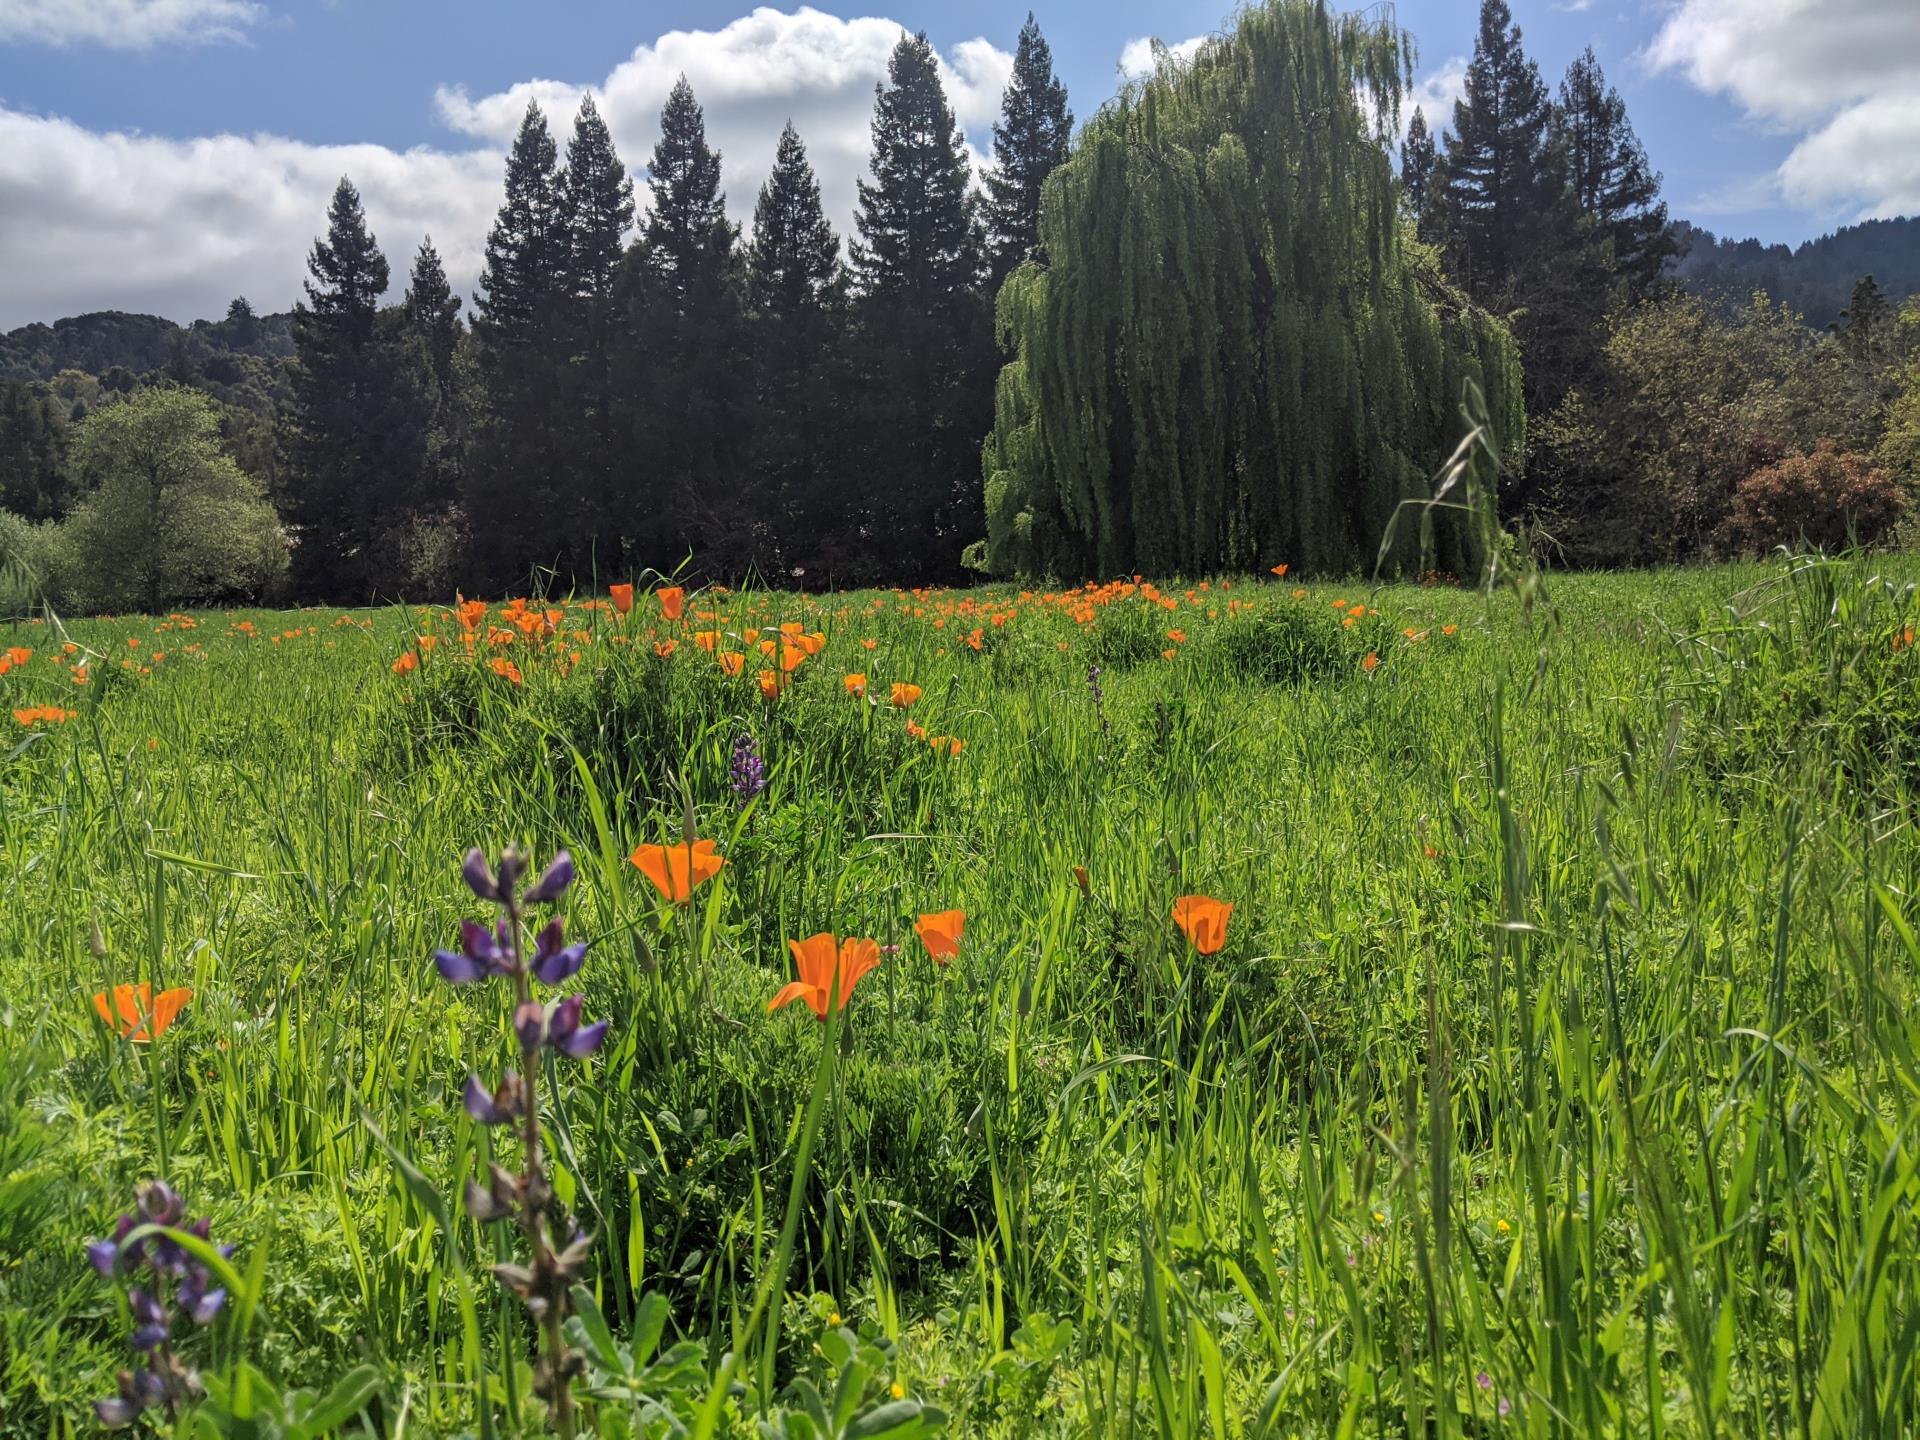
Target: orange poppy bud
622,597
672,600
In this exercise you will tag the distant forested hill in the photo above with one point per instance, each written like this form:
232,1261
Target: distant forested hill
98,342
1814,277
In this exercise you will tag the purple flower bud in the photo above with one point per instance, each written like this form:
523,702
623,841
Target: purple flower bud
550,886
567,1035
497,1108
146,1309
148,1337
512,865
116,1412
457,968
479,875
159,1205
553,962
530,1024
205,1307
103,1255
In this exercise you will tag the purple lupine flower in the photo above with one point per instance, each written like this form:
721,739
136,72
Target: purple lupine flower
749,770
554,962
1099,697
499,1107
479,875
553,883
567,1035
530,1024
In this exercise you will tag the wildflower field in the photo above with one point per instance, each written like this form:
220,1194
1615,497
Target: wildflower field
1249,1008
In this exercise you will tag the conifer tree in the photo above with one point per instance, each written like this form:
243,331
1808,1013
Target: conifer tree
596,205
925,344
1417,163
796,290
1612,183
431,315
683,369
342,438
515,503
1501,174
1230,359
1029,141
1865,322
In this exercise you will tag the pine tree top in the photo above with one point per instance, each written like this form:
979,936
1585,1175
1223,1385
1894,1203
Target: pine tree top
347,272
1030,139
917,227
794,260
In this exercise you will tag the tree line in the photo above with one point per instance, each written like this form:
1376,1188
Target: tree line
1218,329
640,384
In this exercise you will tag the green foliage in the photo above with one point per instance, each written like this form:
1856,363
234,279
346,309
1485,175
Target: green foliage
29,565
1233,357
169,518
1517,913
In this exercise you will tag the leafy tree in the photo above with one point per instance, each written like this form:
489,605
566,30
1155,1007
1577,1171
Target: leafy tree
796,294
1231,360
518,515
684,370
347,433
1828,497
169,519
925,350
1613,184
1029,140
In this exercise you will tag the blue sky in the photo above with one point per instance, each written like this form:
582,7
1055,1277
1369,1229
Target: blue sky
165,154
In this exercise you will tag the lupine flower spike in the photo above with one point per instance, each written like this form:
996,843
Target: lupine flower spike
174,1287
543,1283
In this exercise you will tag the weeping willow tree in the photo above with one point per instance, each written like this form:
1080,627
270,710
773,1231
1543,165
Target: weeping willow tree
1234,353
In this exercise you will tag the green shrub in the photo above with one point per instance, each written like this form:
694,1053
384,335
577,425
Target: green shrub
1282,646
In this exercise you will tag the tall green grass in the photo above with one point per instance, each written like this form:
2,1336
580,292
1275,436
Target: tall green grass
1560,1076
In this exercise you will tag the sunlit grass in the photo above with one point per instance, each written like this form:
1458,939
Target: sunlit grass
1557,1076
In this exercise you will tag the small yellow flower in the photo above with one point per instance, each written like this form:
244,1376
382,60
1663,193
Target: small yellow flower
899,1391
1502,1226
834,1318
1379,1217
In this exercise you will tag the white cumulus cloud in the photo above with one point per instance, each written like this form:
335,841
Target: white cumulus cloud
125,24
1137,57
95,220
1842,75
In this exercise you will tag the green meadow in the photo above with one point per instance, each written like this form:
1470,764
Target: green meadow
1559,1074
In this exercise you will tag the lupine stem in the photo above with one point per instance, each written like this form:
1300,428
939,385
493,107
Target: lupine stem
533,1187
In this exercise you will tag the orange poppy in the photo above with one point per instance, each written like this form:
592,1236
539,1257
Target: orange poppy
664,648
1371,661
678,870
137,1009
731,661
707,640
868,644
823,962
771,684
1279,572
408,661
19,654
977,636
856,684
1204,921
505,668
1448,629
672,600
622,597
940,932
903,694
